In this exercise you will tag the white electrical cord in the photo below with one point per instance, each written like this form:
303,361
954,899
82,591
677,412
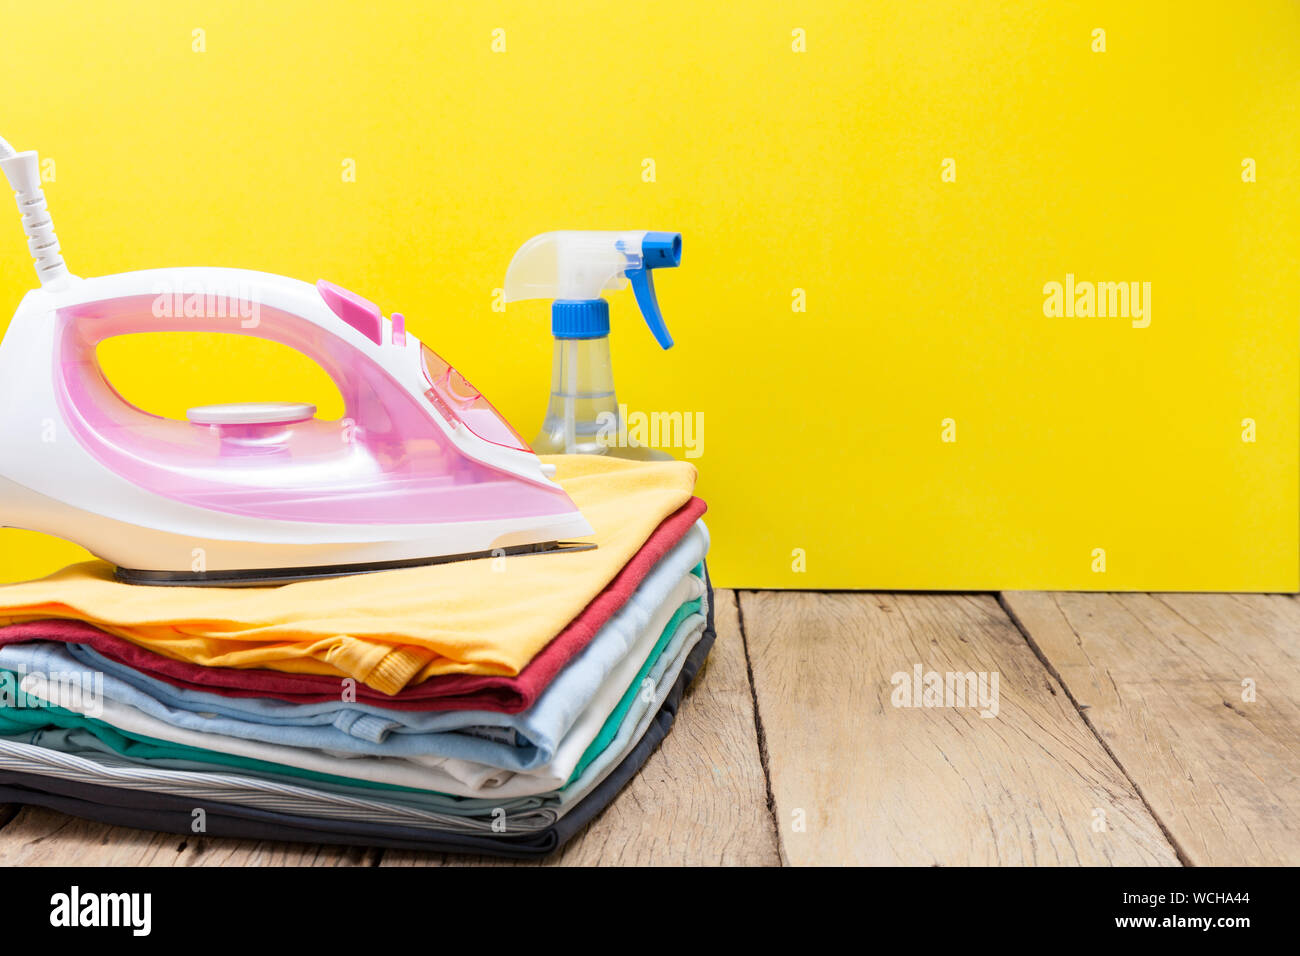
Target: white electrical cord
23,172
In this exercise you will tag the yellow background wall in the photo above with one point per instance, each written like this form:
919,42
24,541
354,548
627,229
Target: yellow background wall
816,170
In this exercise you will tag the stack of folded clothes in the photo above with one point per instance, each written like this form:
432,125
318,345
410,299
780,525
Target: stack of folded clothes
490,706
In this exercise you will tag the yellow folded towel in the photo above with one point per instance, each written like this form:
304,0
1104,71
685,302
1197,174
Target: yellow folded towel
390,628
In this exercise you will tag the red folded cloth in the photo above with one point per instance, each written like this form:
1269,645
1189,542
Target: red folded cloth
507,695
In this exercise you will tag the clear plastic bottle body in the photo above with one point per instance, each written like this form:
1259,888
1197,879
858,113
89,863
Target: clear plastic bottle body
582,415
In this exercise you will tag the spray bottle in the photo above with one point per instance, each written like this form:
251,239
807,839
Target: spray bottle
573,269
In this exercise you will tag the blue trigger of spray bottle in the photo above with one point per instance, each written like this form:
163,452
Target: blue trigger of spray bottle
573,269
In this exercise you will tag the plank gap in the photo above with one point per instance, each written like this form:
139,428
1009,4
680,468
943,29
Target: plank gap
1179,850
1196,697
759,734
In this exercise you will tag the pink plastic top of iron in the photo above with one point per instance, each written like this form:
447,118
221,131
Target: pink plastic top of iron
360,313
385,460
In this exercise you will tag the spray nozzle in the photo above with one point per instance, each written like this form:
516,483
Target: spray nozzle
574,268
659,250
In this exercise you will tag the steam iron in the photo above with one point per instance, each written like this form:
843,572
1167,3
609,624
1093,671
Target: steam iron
420,468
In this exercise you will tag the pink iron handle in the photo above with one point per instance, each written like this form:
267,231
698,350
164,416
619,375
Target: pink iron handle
326,336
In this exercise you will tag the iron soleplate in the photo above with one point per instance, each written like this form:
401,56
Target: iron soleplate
266,577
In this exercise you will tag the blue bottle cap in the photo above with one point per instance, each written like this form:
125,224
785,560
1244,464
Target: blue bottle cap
579,318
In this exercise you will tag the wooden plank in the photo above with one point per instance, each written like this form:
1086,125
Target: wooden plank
1161,678
40,837
857,780
700,799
